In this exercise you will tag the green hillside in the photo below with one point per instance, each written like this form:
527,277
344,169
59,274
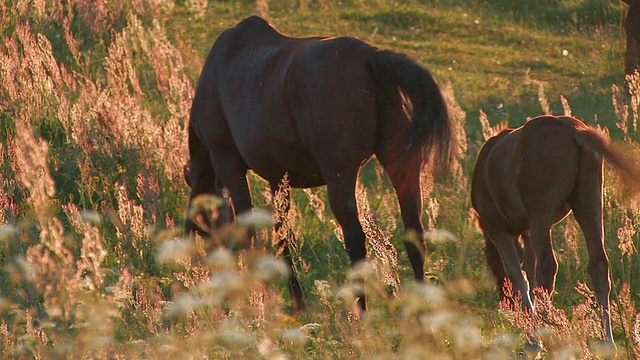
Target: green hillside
94,104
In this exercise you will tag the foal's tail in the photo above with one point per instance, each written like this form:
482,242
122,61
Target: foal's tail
591,139
430,126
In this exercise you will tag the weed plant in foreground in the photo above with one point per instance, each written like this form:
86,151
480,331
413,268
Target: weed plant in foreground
93,102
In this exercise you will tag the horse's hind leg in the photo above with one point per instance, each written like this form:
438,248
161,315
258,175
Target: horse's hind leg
342,198
633,51
295,287
586,202
405,177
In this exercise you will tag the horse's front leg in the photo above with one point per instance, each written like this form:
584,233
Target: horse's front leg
199,175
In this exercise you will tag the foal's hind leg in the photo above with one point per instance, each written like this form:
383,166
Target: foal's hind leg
295,287
495,262
542,268
586,201
405,177
505,244
528,259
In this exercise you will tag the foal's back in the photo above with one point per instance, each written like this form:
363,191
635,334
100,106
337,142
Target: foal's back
529,172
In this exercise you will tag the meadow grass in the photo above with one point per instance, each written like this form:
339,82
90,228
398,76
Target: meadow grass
95,99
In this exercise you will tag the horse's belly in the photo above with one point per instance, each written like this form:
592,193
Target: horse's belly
507,200
562,213
276,160
305,176
516,218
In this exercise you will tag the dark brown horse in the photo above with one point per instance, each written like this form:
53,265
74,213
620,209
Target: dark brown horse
315,109
528,179
632,27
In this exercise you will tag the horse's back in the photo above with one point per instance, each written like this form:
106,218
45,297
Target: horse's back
546,142
549,158
290,104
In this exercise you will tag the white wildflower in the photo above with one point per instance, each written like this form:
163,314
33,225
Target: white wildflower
439,236
294,336
362,270
256,218
268,268
7,231
183,304
569,353
91,217
222,258
467,338
437,322
171,251
235,339
323,289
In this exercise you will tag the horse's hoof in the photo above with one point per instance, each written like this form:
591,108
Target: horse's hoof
532,350
604,349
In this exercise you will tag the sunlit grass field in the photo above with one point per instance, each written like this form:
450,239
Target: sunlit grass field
94,104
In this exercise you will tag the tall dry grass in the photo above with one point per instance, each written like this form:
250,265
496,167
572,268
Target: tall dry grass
94,99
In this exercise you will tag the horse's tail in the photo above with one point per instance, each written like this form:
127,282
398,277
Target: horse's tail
591,140
430,125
